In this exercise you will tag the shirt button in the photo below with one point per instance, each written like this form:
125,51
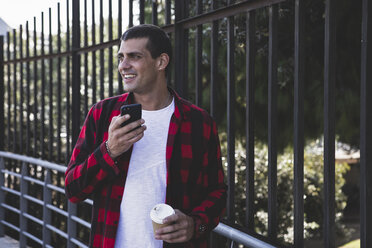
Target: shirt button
202,228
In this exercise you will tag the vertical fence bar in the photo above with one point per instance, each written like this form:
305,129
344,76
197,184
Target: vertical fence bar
94,74
47,215
71,226
42,133
71,231
272,121
101,52
2,93
28,80
68,112
249,115
154,16
15,91
9,92
85,58
21,92
35,109
120,30
198,57
214,80
142,11
299,75
168,16
231,117
59,85
120,19
2,184
23,206
366,129
329,123
130,13
181,44
186,48
299,126
75,71
59,107
214,64
50,133
110,55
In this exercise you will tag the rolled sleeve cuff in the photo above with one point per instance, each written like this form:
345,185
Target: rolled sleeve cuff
107,160
200,227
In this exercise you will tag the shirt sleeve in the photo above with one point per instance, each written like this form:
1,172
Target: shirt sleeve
207,215
90,163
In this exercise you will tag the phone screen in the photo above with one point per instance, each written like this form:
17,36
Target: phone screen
134,110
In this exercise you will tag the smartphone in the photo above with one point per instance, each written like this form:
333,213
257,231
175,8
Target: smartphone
134,110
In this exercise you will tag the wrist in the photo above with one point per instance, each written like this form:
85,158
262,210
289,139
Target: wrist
108,149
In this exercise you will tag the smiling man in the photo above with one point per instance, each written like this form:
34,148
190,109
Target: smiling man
172,157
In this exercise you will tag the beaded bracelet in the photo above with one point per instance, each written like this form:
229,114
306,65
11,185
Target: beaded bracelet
107,148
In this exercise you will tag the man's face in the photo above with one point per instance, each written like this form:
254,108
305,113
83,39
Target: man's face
136,66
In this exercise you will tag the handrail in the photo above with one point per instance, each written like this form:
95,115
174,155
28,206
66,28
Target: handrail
43,163
240,237
222,229
45,221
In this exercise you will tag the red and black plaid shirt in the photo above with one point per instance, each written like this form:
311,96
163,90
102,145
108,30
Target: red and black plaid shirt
195,180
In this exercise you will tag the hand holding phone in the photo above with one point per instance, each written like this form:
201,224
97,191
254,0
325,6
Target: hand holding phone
134,110
118,141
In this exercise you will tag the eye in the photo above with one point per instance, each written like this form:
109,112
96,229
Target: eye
135,56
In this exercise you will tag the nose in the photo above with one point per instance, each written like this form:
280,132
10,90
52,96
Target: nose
124,64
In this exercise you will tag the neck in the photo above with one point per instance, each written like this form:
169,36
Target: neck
154,100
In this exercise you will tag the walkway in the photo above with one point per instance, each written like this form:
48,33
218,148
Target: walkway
8,242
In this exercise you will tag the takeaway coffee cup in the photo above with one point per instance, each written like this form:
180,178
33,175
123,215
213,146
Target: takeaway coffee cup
158,213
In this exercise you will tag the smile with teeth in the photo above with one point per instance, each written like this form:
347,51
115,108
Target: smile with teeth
129,76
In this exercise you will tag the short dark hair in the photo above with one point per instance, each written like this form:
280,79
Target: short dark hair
158,40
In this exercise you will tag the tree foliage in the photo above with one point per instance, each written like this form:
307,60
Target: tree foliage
313,191
348,51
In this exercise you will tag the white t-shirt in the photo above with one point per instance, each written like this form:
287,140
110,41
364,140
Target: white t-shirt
146,182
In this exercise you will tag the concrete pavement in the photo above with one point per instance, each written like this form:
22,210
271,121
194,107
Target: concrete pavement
8,242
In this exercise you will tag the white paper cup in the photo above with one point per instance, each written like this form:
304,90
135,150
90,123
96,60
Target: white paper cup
158,213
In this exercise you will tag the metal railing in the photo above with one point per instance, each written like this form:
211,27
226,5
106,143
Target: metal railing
45,202
236,236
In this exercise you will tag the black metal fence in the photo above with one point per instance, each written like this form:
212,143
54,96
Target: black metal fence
48,81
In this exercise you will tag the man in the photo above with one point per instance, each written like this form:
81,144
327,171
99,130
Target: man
173,157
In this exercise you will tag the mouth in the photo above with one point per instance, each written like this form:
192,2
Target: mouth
129,76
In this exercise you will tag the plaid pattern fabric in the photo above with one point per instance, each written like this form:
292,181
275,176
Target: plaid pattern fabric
195,180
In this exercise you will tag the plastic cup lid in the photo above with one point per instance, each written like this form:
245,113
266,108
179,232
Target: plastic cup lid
160,211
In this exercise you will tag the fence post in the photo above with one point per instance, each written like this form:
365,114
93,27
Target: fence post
23,206
2,196
75,71
72,209
2,126
71,224
298,170
366,128
47,217
180,48
329,233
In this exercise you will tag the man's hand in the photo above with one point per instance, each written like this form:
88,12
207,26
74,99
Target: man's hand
120,139
180,230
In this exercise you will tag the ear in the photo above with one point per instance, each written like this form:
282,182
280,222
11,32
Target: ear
163,61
